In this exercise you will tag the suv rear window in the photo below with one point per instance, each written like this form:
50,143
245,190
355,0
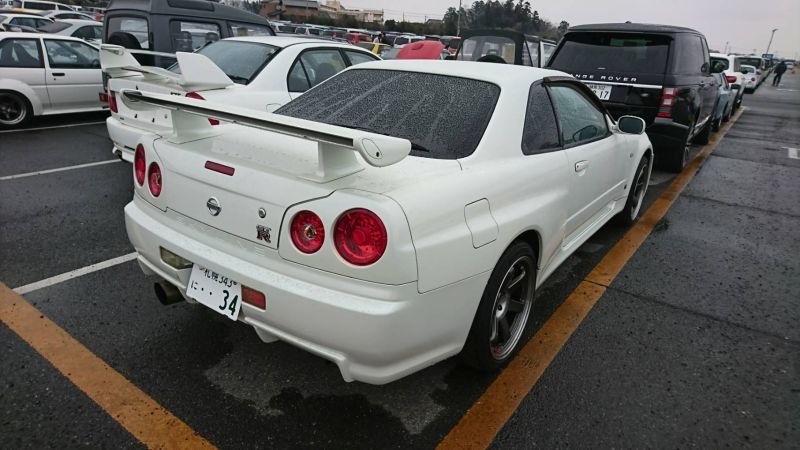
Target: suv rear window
620,52
445,116
755,62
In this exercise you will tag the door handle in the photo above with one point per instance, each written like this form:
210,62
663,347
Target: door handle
580,166
58,74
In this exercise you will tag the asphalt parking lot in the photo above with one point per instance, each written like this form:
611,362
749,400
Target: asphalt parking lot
694,343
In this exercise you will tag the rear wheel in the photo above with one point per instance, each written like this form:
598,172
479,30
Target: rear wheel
505,307
633,205
704,135
675,158
14,109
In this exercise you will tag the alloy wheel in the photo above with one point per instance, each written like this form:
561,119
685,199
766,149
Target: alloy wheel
639,188
512,307
12,109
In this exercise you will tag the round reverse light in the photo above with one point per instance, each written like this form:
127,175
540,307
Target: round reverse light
307,232
360,237
154,179
139,165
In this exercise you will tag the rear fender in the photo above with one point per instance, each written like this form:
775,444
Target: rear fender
8,84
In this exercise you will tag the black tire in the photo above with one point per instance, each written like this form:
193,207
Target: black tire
716,125
510,290
633,205
675,158
15,109
704,135
727,116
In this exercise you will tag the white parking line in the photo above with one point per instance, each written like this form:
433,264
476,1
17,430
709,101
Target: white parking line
60,169
791,152
75,273
52,127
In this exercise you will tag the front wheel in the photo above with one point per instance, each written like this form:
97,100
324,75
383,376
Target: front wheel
503,312
633,205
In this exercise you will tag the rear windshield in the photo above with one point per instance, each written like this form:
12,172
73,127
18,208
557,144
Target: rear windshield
55,27
755,62
476,47
444,117
241,61
618,52
720,63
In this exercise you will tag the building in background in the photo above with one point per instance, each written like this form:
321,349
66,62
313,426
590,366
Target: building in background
332,9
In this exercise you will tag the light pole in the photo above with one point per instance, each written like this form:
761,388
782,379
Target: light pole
770,40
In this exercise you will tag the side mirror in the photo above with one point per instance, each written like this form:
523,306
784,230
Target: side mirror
631,125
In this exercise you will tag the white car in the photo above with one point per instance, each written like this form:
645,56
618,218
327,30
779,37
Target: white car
88,30
61,15
39,5
396,215
750,77
259,72
732,70
25,20
43,74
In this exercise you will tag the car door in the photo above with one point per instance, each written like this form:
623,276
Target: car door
595,156
21,59
73,74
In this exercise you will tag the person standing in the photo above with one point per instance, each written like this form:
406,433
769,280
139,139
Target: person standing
776,81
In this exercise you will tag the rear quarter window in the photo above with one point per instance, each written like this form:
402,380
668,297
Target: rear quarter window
445,115
617,52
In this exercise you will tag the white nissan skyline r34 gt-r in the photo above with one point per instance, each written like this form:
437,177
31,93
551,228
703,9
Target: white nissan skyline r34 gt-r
397,214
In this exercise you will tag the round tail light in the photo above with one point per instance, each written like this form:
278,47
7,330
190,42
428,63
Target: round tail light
154,179
139,164
307,232
360,237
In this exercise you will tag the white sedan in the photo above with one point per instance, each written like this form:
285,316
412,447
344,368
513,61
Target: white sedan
88,30
262,73
396,215
44,74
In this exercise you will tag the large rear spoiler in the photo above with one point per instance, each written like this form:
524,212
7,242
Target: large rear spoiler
336,146
197,71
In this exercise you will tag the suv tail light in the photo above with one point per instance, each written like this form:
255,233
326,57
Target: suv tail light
154,179
307,231
197,96
139,165
360,237
731,78
668,96
753,79
112,102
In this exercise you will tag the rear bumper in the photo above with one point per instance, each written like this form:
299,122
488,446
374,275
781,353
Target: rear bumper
667,135
375,333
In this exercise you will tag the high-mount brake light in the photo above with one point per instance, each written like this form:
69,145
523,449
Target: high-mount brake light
139,165
197,96
360,237
112,102
307,231
668,96
154,179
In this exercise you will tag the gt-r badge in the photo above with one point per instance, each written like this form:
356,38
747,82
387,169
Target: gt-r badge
213,206
262,233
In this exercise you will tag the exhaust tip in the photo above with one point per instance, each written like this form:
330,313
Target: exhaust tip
167,293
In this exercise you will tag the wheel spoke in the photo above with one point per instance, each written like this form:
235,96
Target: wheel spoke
493,337
515,306
516,279
505,331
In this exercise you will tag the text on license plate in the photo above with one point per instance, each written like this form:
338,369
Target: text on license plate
216,291
602,91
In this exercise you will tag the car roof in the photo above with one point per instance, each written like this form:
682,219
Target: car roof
61,37
503,75
632,28
33,16
285,41
82,22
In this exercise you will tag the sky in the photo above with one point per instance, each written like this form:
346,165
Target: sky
745,24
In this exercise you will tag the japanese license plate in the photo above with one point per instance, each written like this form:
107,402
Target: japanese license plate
602,91
216,291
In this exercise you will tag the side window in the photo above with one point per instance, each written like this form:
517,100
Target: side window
689,54
580,119
321,65
21,53
88,32
42,22
190,36
533,48
71,55
540,133
298,82
359,57
548,51
706,56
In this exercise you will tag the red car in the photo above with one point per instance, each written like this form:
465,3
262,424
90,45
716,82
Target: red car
354,38
423,50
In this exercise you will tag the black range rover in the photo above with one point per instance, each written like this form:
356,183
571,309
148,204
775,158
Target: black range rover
657,72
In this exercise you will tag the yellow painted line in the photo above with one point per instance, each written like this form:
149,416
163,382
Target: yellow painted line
481,423
131,407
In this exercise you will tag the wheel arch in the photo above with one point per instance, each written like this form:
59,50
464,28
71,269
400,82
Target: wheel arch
18,87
